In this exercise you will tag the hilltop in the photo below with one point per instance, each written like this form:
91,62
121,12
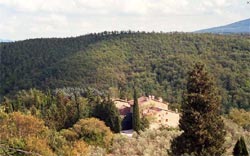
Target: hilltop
114,61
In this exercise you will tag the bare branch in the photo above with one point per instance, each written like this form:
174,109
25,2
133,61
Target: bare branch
4,147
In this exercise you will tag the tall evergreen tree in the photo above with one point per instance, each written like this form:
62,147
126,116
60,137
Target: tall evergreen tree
240,148
203,129
136,114
107,112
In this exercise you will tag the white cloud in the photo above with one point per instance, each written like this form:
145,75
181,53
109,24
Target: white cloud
22,19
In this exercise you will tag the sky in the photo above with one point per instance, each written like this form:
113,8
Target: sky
25,19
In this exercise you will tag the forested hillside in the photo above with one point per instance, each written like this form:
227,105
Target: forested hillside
113,62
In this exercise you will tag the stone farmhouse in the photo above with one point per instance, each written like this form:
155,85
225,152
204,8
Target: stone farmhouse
153,109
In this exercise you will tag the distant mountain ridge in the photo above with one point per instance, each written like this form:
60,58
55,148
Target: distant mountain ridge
4,40
237,27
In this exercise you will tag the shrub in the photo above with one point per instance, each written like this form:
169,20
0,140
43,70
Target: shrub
20,125
69,134
147,143
23,134
144,123
91,130
38,145
241,117
80,148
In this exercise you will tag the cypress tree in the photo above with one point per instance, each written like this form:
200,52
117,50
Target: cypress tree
203,129
107,112
136,114
77,104
240,148
115,120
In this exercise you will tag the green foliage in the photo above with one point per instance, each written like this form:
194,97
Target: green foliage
19,125
8,108
241,117
22,135
26,135
240,148
201,122
148,143
144,123
113,60
91,130
136,121
97,151
107,112
58,110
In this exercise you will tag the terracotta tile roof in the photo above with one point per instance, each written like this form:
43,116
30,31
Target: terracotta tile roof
141,100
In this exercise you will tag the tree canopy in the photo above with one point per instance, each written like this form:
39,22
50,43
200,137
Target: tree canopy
107,112
203,128
159,61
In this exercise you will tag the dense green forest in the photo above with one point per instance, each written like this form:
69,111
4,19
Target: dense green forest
113,61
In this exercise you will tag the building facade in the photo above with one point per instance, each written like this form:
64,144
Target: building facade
154,109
